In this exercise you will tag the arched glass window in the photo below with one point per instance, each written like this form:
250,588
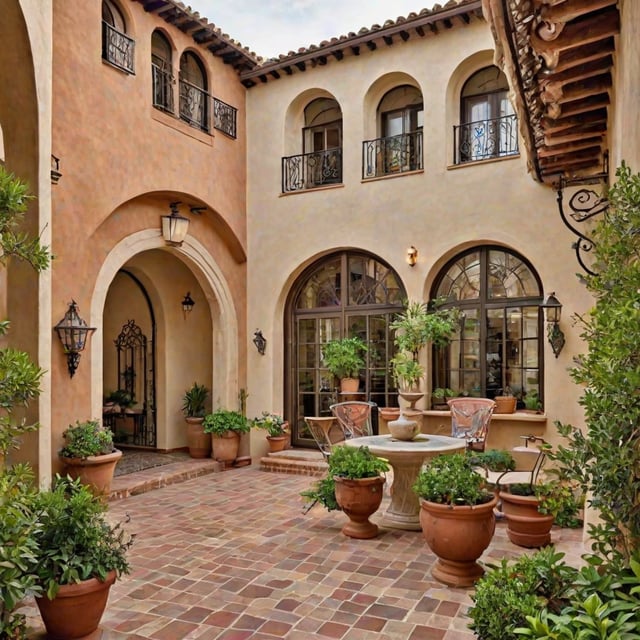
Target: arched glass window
193,91
117,47
488,125
161,72
499,345
343,295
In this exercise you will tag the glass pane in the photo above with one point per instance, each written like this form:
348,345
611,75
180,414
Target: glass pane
531,353
371,282
329,329
306,356
462,280
322,288
530,322
509,277
305,380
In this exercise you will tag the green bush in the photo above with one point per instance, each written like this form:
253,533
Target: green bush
223,420
492,460
194,401
86,439
345,357
513,590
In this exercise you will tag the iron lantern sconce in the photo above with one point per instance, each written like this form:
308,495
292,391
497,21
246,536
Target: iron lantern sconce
187,304
552,312
412,256
174,226
260,341
73,332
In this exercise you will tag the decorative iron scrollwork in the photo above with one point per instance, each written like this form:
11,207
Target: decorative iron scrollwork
583,206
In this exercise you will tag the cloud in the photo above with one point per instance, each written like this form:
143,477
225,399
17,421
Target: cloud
272,27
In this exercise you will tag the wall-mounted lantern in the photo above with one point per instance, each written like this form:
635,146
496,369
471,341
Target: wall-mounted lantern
73,332
174,226
412,256
260,341
187,304
552,312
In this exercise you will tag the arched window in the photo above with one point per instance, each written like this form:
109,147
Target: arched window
488,125
499,345
162,72
401,121
193,91
117,47
343,295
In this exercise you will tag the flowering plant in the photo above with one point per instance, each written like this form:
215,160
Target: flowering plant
272,423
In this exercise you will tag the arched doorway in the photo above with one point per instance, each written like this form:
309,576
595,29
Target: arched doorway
349,293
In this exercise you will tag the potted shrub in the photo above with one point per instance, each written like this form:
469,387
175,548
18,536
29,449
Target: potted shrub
532,402
194,409
89,454
276,428
440,396
79,556
119,401
354,485
344,358
456,516
225,427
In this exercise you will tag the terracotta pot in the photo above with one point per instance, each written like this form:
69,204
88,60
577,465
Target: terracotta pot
359,499
349,385
76,610
225,447
526,526
389,413
277,443
458,536
95,471
505,404
199,442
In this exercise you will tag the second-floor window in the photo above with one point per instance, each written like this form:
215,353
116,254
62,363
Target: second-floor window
194,99
399,148
488,125
161,71
117,47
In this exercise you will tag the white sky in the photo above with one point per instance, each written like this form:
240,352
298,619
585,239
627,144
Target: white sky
272,27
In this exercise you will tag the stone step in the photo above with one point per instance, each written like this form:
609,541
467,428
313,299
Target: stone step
303,462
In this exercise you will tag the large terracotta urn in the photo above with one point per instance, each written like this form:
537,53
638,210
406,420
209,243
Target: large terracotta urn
458,536
225,447
526,526
198,441
76,610
95,471
359,498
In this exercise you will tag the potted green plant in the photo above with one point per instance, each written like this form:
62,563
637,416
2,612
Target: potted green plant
275,426
20,384
79,556
532,402
225,427
506,402
119,401
457,517
496,460
354,485
89,454
194,408
344,358
440,396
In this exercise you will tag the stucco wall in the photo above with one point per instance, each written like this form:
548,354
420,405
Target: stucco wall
441,210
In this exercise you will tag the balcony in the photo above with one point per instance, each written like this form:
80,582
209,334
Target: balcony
117,48
224,117
193,105
392,155
486,139
311,170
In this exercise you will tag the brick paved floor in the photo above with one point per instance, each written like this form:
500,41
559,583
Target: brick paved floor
230,556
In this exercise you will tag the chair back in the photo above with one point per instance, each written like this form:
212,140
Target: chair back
326,432
354,417
470,419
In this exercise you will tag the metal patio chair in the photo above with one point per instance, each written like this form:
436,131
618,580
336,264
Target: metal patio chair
326,431
470,419
354,417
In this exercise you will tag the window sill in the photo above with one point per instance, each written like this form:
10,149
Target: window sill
117,67
387,176
179,125
324,187
475,163
518,416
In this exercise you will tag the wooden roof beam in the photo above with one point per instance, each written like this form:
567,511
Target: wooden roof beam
563,124
570,148
591,133
568,11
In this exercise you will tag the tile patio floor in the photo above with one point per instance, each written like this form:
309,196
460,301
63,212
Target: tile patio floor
230,556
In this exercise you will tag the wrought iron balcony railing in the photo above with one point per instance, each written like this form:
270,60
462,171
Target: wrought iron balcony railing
310,170
194,103
162,88
224,117
391,155
493,138
117,48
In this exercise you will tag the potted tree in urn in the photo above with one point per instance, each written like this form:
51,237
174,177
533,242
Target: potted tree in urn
89,455
354,485
457,517
79,554
193,407
344,358
225,427
276,427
